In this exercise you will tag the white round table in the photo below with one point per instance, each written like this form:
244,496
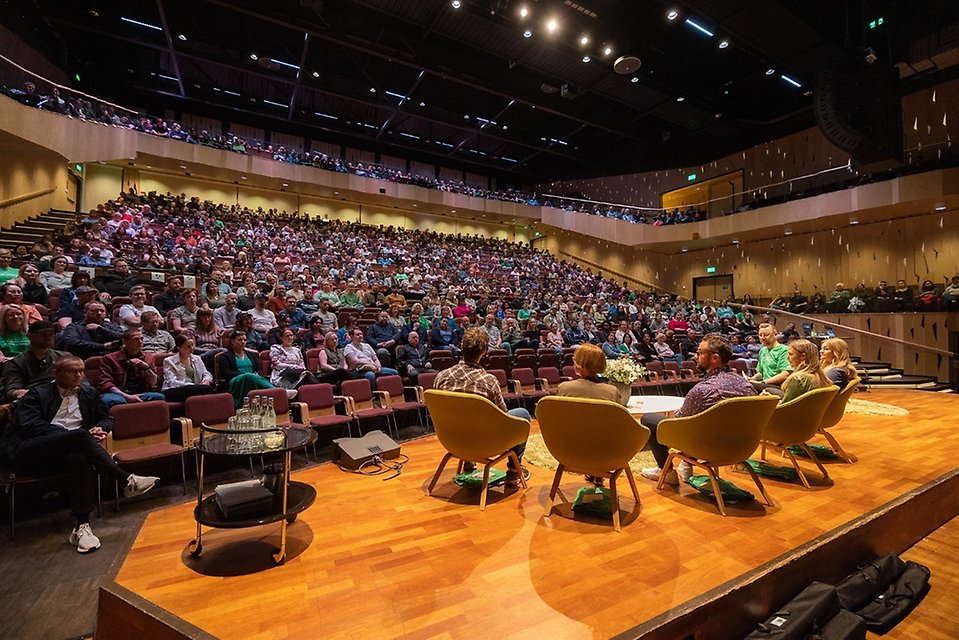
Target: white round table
639,405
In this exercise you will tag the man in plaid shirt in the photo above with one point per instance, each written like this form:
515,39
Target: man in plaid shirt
469,377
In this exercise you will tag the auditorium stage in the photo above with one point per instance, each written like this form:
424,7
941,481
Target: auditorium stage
375,558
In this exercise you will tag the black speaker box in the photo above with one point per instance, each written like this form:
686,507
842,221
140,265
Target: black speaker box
859,110
352,453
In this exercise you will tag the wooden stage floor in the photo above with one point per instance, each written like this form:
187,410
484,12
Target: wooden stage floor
382,559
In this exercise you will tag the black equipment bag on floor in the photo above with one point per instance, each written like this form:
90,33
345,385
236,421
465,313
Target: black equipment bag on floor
868,581
899,598
845,625
807,612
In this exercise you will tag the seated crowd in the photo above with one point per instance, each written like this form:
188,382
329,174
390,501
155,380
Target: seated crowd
927,296
85,109
321,302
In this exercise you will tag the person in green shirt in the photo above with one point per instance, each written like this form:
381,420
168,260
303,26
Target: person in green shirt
6,271
773,366
807,372
13,337
523,314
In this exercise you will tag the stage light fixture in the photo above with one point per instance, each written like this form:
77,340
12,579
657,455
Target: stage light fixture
672,15
523,12
723,44
372,89
680,99
316,74
552,25
770,71
634,80
182,37
527,34
791,81
584,41
456,4
254,57
699,28
585,58
607,51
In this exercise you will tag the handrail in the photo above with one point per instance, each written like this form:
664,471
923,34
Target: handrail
912,345
27,196
617,273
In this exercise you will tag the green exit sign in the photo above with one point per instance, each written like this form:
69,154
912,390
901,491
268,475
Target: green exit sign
691,177
710,269
78,167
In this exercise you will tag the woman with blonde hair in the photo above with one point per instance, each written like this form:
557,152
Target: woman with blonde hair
807,373
589,361
834,358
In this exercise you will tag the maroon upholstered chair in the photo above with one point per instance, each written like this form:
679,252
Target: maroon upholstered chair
321,404
360,405
396,398
141,433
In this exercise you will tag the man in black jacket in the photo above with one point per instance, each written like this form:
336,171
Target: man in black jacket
93,335
57,428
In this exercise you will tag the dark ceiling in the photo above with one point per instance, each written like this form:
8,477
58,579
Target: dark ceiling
464,87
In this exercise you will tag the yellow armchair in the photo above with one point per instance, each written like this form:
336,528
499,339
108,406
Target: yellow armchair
727,433
833,415
593,437
473,429
795,423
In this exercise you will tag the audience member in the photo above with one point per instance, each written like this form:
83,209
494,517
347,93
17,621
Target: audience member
131,314
241,369
772,363
33,366
807,373
126,376
184,373
93,334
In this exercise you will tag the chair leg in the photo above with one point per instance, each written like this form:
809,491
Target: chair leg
99,497
662,473
557,478
439,470
614,500
759,484
812,456
519,467
792,458
831,439
714,481
13,510
183,472
485,486
116,488
632,483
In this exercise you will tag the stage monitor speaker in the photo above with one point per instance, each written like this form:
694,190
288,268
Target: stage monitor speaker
352,453
859,110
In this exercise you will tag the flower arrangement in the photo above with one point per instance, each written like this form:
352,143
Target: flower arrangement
624,371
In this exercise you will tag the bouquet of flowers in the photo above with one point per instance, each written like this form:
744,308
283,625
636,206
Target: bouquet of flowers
624,371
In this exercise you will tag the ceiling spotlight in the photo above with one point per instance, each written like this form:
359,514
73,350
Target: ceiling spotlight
723,44
285,184
735,241
527,34
680,99
584,40
718,115
770,71
422,104
607,51
253,56
182,37
316,74
854,221
372,89
685,249
672,15
585,58
788,232
523,12
505,127
807,93
456,4
940,206
634,80
552,25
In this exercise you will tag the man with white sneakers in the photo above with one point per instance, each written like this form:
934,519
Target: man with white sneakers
718,383
57,428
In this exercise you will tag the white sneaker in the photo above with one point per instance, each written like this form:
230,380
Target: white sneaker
684,471
653,473
83,537
138,485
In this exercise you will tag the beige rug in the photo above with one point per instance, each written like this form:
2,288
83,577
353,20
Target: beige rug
538,455
867,408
